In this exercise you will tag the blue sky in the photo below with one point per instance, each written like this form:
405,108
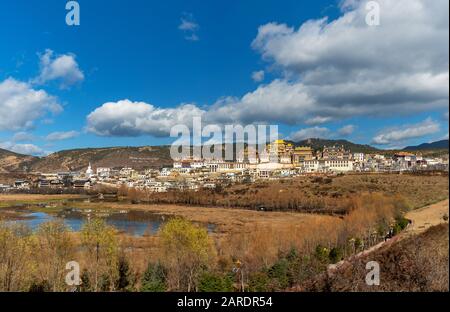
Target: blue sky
315,81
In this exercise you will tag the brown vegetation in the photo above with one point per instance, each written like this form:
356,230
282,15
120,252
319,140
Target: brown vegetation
191,259
418,263
306,194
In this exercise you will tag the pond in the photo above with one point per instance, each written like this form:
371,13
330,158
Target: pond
132,222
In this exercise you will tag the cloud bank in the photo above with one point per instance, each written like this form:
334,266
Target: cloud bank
127,118
63,135
62,68
398,135
21,105
328,70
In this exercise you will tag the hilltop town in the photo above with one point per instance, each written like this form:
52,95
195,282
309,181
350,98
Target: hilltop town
279,160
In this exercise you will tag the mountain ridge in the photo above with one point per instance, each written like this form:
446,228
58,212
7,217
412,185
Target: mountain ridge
140,157
441,144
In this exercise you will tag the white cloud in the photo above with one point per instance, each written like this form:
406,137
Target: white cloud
258,76
25,149
346,130
334,69
59,136
127,118
317,120
310,133
344,68
189,27
279,101
21,105
23,137
62,68
400,134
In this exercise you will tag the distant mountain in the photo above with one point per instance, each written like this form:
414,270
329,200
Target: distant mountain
443,144
117,157
78,159
318,144
113,157
10,161
147,156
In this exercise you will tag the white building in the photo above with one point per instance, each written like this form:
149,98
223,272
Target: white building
165,172
103,172
89,171
359,157
310,166
126,172
338,165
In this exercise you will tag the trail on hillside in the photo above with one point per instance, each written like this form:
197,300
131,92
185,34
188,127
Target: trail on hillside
426,217
421,220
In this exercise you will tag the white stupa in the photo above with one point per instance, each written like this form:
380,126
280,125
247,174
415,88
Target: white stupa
89,171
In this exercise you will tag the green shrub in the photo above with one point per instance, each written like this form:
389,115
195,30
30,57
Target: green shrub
358,243
212,282
85,281
154,279
125,278
258,282
402,223
397,229
43,286
336,254
322,253
279,275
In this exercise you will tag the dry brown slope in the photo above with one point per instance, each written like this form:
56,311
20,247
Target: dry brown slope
416,260
113,157
10,161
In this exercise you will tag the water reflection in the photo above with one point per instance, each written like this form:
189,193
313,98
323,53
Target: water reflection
132,222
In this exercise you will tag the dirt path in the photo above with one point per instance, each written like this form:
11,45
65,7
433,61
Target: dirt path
426,217
421,220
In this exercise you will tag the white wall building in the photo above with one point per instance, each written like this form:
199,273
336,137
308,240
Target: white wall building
310,166
103,172
339,165
359,157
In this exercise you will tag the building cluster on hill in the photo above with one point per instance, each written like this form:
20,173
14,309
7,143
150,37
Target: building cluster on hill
280,159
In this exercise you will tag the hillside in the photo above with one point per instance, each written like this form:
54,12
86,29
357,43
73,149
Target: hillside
113,157
318,144
157,156
78,159
10,161
418,263
438,145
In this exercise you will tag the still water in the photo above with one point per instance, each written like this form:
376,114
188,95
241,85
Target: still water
132,222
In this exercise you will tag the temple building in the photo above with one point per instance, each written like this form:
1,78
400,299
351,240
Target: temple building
335,152
280,151
89,171
302,154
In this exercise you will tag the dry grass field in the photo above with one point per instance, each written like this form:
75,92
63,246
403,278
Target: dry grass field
314,194
261,240
34,197
7,200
